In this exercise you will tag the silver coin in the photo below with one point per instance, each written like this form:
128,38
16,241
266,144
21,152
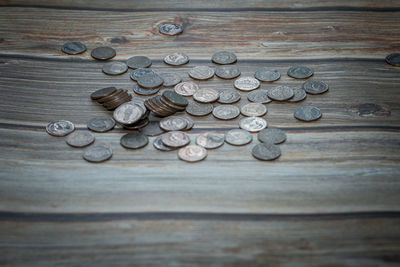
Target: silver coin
229,96
210,140
134,140
226,112
315,87
73,48
140,102
271,135
198,109
114,68
189,125
307,113
267,75
170,79
145,91
60,128
253,124
152,129
299,95
171,29
140,72
192,153
151,80
246,83
206,95
158,144
137,62
173,123
266,151
176,59
253,110
259,96
227,72
280,93
393,59
238,137
224,57
97,153
201,73
80,139
186,88
103,53
300,72
101,124
128,113
175,139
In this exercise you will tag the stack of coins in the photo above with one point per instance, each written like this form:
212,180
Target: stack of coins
166,104
111,97
132,115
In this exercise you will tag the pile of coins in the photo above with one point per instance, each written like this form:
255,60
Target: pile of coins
111,97
166,104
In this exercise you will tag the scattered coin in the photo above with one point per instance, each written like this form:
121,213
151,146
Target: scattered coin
206,95
186,88
60,128
115,68
198,109
101,124
158,144
228,97
140,72
238,137
224,57
176,59
175,139
73,48
267,75
226,112
393,59
315,87
80,139
201,73
128,113
171,29
266,151
170,79
152,129
210,140
97,153
259,96
300,72
192,153
137,62
253,110
253,124
134,140
227,72
299,95
151,80
307,113
246,83
103,93
189,123
272,135
173,123
145,91
280,93
103,53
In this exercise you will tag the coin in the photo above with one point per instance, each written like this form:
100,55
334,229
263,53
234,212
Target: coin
280,93
315,87
224,57
210,140
171,29
151,80
300,72
299,95
307,113
201,73
73,48
128,113
170,79
198,109
227,72
228,97
253,124
266,151
246,83
226,112
174,98
103,53
267,75
206,95
60,128
171,105
175,139
152,129
271,135
393,59
259,96
80,139
189,123
137,62
158,144
192,153
101,124
238,137
114,68
138,101
145,91
137,125
97,153
176,59
139,72
186,88
173,123
253,110
134,140
103,93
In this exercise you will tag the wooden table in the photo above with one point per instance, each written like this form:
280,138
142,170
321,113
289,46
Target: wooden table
331,199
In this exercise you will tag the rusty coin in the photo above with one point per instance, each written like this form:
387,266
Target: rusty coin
137,62
103,93
253,110
171,29
226,112
280,93
246,83
259,96
300,72
271,135
228,97
60,128
80,139
128,113
73,48
206,95
103,53
186,88
175,139
393,59
192,153
140,72
101,124
115,68
266,151
97,153
307,113
299,95
253,124
201,73
238,137
173,123
227,72
315,87
134,140
170,79
198,109
210,140
267,75
224,57
176,59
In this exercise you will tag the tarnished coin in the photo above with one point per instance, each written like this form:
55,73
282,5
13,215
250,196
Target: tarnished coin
224,57
226,112
138,101
60,128
134,140
97,153
145,91
73,48
300,72
128,113
103,93
174,98
253,124
103,53
393,59
271,135
137,62
246,83
267,75
280,93
151,80
206,95
228,97
201,73
266,151
238,137
299,95
176,59
101,124
173,123
315,87
259,96
171,29
186,88
227,72
253,110
210,140
158,144
170,79
192,153
198,109
80,139
140,72
152,129
307,113
175,139
189,123
114,68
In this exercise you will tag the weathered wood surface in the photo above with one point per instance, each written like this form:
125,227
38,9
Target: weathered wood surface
332,198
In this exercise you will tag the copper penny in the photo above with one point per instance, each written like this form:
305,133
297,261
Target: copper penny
103,93
192,153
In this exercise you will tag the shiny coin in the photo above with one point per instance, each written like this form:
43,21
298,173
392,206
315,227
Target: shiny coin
170,79
137,62
80,139
73,48
228,97
134,140
101,124
115,68
186,88
145,91
192,153
238,137
210,140
253,110
171,29
97,153
307,113
189,123
176,59
271,135
152,129
128,113
206,95
158,144
103,53
253,124
140,72
173,123
300,72
315,87
226,112
299,95
259,96
267,75
246,83
198,109
60,128
175,139
151,80
201,73
393,59
227,72
266,151
103,93
280,93
174,98
224,57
